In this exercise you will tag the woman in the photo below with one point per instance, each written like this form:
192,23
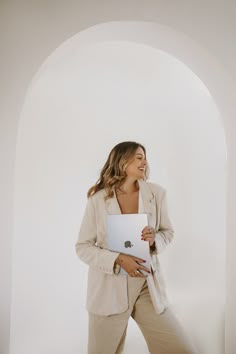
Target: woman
111,297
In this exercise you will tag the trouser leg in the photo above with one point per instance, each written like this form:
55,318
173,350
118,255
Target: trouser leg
107,333
121,345
164,333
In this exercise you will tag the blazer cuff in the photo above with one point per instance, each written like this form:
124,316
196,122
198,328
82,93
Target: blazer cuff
109,266
160,242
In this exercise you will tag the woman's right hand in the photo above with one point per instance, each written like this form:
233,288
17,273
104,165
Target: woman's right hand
132,265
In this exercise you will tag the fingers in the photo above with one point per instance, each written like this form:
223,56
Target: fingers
139,260
132,265
144,268
140,266
148,231
148,234
137,273
147,238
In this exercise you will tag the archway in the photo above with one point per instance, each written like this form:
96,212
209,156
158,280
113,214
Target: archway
114,35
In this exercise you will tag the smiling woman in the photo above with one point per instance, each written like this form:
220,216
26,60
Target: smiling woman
112,297
136,168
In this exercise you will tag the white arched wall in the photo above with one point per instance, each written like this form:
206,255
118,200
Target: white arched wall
150,34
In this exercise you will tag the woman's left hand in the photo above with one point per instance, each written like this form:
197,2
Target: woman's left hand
148,234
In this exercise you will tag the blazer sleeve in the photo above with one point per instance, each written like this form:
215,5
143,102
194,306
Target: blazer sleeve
86,248
165,233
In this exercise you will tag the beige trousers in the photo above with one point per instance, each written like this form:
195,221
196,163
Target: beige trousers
163,333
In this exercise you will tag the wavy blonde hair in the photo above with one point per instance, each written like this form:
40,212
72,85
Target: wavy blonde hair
113,172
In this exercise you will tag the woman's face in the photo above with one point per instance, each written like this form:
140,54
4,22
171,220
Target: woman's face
137,165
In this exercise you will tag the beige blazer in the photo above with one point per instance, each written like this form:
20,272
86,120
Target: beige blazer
107,290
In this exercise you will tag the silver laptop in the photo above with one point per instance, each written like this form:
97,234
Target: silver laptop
124,236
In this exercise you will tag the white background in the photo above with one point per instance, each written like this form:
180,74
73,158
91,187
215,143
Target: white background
82,102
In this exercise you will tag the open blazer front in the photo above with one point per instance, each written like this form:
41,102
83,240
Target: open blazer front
107,290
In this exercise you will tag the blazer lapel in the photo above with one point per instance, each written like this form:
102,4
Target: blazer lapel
149,202
112,205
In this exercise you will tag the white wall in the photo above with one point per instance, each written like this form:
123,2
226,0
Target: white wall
201,34
77,108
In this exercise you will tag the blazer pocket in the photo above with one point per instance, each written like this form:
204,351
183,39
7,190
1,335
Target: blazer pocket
106,294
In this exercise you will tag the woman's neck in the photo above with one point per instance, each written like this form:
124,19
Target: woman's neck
129,186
